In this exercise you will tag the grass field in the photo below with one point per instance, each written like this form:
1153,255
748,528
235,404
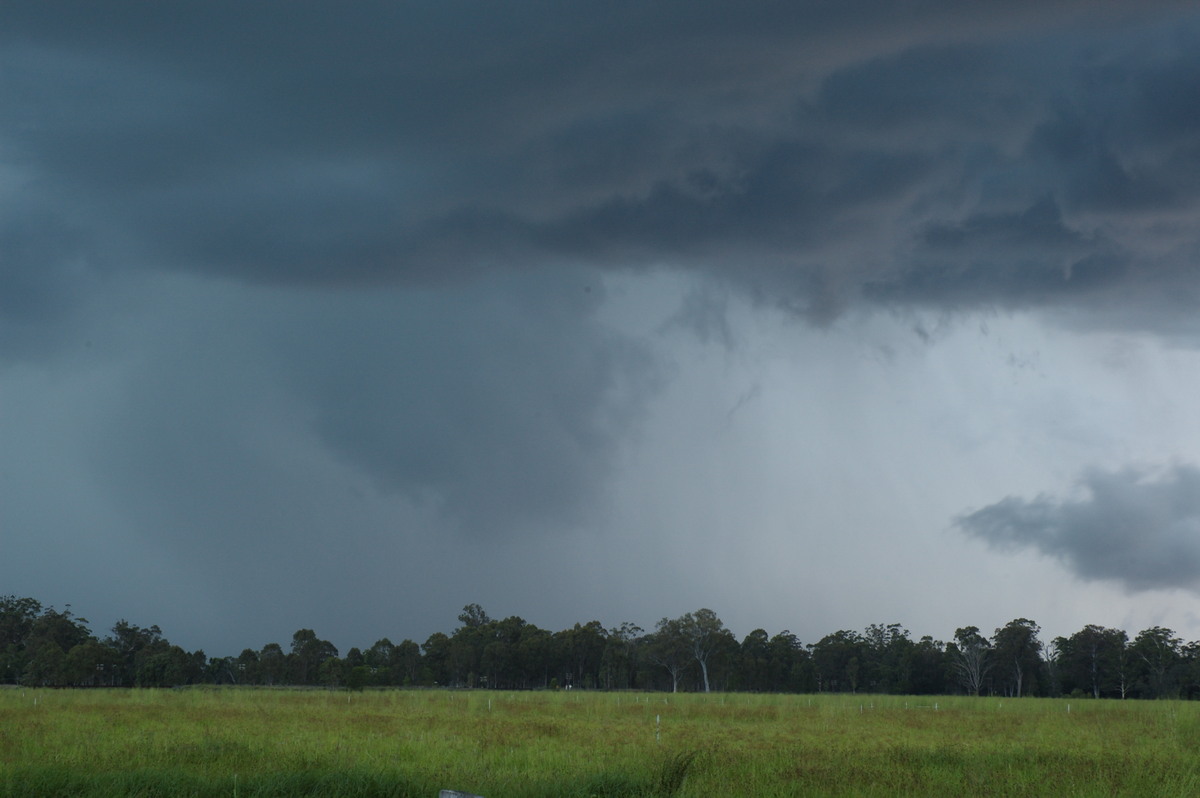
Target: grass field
261,742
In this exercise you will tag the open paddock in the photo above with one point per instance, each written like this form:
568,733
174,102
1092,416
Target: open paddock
268,742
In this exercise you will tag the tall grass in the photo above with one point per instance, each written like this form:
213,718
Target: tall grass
262,742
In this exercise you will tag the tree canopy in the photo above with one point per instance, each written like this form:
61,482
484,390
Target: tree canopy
45,646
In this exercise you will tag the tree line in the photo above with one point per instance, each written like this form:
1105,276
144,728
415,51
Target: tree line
42,646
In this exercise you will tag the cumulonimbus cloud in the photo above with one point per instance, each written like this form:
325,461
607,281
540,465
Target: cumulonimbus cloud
810,158
1136,527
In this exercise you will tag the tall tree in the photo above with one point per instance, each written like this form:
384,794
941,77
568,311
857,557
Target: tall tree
273,664
970,658
17,616
838,658
927,667
755,672
1092,660
582,648
133,644
308,653
407,662
791,665
248,667
705,635
888,654
1018,656
379,661
1157,655
668,647
52,635
618,664
436,659
473,616
91,664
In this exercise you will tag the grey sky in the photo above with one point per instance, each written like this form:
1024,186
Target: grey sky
344,318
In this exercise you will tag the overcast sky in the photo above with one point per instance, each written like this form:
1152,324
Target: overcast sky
818,314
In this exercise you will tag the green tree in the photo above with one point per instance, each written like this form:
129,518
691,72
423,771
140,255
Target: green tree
1018,657
706,635
581,649
669,648
247,668
1092,660
166,665
272,664
380,662
970,658
755,671
51,636
1156,656
888,658
308,653
17,616
791,665
406,663
473,616
91,664
618,664
436,658
927,667
333,671
535,653
130,642
838,659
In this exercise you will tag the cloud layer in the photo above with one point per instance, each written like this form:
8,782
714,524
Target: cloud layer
367,294
1136,528
1021,154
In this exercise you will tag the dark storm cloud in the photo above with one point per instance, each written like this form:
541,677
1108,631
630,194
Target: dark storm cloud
764,142
1016,259
47,270
499,409
503,406
1139,529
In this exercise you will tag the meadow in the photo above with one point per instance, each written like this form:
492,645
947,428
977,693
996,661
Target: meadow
263,742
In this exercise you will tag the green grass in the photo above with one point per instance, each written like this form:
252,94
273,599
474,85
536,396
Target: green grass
260,742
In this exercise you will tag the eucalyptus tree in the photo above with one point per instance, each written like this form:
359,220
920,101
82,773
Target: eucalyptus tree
581,650
17,616
1018,656
247,668
1093,660
309,652
888,658
1157,658
927,667
755,670
618,664
272,664
436,659
791,664
706,635
838,659
406,663
380,662
668,648
970,658
52,635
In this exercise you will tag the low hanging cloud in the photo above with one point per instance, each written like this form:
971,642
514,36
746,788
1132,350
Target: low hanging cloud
1009,155
1138,528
